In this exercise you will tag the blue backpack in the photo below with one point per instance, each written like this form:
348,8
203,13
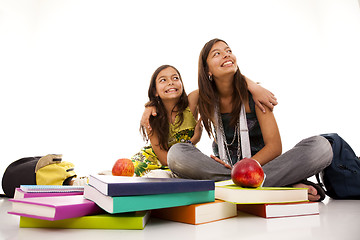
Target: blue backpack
342,177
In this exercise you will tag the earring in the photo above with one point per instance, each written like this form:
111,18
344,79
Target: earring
210,78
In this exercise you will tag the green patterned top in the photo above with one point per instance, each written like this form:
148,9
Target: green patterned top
146,159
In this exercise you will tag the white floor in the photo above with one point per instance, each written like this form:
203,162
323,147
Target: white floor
338,219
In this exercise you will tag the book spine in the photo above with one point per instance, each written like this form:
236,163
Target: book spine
184,214
149,202
57,194
79,210
89,222
156,188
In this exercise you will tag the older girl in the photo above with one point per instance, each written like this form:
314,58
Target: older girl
223,96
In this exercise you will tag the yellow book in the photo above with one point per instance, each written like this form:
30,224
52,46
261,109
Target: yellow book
238,195
132,220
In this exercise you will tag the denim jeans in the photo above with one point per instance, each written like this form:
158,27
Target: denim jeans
307,158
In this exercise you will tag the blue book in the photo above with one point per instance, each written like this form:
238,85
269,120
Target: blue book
122,204
129,186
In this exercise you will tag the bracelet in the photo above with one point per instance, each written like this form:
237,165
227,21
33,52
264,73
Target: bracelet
188,141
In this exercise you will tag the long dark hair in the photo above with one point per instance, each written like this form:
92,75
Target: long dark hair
208,93
160,123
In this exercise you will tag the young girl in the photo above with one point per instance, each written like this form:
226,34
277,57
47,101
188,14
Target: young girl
223,92
175,121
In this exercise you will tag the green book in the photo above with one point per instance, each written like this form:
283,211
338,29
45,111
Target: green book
132,220
238,195
122,204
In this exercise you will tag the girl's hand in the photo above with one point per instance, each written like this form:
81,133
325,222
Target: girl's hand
221,161
149,111
197,132
261,95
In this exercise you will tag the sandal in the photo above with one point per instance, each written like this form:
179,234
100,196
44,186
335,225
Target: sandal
318,188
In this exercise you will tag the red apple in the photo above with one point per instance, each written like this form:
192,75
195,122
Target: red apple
247,173
123,167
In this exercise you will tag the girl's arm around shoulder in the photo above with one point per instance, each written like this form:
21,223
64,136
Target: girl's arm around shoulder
271,136
262,97
193,98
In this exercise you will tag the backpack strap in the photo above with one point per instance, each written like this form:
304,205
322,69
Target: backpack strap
48,159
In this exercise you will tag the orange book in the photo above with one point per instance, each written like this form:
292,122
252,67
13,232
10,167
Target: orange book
198,213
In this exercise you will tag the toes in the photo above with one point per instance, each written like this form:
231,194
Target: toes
312,190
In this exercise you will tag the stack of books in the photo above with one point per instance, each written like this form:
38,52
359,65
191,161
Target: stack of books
65,207
182,200
268,202
108,202
114,202
117,194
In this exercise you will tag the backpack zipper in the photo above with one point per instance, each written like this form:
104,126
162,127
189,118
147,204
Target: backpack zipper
346,168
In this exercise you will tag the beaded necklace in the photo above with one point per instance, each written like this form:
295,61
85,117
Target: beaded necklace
241,131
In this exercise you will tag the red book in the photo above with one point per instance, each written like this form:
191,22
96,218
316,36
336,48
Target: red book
276,210
54,208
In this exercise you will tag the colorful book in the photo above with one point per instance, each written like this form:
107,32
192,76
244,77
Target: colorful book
21,194
198,213
235,194
128,186
122,204
54,208
277,210
133,220
51,188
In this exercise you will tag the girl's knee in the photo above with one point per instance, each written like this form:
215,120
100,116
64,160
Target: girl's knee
175,152
176,156
320,150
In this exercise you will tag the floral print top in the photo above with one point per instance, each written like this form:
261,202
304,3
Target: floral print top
146,159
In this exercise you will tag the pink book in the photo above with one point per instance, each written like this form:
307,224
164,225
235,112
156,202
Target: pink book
21,194
54,208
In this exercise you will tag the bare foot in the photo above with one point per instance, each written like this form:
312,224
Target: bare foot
313,195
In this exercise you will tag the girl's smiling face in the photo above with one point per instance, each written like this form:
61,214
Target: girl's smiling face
168,84
221,61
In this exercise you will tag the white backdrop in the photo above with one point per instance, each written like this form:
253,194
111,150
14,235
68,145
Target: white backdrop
74,74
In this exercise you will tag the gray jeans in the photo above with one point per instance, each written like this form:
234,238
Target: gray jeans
307,158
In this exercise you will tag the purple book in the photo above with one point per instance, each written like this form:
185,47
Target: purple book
54,208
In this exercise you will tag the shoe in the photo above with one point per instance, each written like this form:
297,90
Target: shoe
318,188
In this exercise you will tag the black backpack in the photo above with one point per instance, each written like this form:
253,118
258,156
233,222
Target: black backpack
45,170
342,177
20,172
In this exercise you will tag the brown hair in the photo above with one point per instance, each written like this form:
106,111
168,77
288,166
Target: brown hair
160,123
208,93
